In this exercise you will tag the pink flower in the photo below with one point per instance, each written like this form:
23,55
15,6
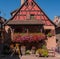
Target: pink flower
29,38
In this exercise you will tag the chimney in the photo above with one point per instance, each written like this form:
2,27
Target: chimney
22,1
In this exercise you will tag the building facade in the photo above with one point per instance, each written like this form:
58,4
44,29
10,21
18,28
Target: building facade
29,24
2,35
2,20
57,22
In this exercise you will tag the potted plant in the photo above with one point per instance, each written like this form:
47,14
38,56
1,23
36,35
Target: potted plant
23,49
27,52
49,35
39,52
44,52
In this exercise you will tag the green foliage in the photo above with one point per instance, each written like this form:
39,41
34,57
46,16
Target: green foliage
39,52
27,52
44,47
49,34
44,52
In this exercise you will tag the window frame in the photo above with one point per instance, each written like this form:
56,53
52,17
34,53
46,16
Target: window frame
31,16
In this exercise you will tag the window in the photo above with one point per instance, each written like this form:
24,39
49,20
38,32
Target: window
34,29
47,31
26,4
32,16
32,4
17,30
57,40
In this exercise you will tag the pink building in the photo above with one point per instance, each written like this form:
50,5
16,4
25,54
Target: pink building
30,26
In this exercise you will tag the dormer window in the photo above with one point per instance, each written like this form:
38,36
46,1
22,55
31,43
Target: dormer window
32,16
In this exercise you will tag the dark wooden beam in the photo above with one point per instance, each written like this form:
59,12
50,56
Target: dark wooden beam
25,15
30,10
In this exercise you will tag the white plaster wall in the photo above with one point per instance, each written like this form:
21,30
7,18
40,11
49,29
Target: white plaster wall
51,42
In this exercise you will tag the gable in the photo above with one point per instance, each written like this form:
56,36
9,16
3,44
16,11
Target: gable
12,13
28,8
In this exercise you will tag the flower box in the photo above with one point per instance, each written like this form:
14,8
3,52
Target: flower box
30,37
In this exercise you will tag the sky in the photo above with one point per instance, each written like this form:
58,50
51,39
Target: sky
50,7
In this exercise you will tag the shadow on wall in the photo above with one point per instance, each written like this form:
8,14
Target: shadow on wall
7,39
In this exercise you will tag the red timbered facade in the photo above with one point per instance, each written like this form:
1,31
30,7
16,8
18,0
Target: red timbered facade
29,23
31,10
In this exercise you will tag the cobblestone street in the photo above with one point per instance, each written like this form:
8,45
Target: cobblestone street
34,57
9,57
28,57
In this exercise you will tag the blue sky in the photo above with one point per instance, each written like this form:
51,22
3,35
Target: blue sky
50,7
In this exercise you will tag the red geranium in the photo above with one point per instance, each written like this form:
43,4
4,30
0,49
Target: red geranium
41,36
35,37
29,38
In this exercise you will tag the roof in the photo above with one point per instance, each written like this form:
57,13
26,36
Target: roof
58,25
20,9
24,22
2,20
14,11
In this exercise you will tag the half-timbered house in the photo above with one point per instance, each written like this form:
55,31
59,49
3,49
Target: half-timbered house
30,26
